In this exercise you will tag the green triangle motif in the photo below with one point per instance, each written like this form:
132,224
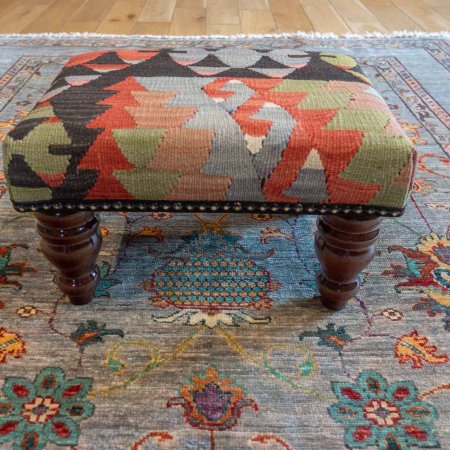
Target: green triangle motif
40,113
368,167
332,100
339,60
360,119
30,147
300,86
24,194
147,184
139,145
391,196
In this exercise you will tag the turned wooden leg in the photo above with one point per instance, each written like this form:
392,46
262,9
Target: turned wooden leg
71,242
344,248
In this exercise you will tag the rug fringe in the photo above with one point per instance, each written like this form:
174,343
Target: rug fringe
301,34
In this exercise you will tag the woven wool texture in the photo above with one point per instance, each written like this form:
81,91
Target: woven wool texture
266,367
252,125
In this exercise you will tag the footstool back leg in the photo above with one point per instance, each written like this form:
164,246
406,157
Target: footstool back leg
344,248
71,242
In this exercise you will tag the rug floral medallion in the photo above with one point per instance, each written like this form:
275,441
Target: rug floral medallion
206,331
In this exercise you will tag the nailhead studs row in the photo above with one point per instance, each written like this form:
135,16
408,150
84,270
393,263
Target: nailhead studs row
216,207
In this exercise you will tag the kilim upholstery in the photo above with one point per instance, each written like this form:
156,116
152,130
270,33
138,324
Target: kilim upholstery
228,128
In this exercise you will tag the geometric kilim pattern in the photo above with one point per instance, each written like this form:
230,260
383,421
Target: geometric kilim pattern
210,125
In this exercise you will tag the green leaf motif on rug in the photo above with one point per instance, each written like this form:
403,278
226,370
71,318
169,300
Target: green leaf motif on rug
106,280
333,337
91,332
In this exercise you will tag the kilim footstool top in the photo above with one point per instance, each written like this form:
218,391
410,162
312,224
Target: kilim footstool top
229,129
240,129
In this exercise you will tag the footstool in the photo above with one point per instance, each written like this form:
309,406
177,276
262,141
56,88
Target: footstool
210,130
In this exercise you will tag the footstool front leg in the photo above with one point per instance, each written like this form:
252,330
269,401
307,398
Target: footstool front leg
344,248
71,242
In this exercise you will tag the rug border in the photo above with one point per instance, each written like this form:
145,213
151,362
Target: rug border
301,34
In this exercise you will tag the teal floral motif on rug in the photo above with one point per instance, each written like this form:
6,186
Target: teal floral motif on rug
46,410
206,331
388,416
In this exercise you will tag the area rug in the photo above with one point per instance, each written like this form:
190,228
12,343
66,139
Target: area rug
267,367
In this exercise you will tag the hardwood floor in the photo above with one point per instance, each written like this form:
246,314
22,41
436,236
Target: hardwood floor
222,16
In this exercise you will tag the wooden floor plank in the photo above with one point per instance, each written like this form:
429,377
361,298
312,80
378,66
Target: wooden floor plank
259,21
6,6
18,18
187,21
253,4
158,11
151,28
223,16
324,17
92,10
441,7
357,16
191,3
223,12
79,26
313,2
122,17
376,3
289,16
421,13
392,17
53,17
223,28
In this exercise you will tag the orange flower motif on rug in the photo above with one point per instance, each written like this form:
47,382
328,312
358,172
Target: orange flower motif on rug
413,347
10,344
427,271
